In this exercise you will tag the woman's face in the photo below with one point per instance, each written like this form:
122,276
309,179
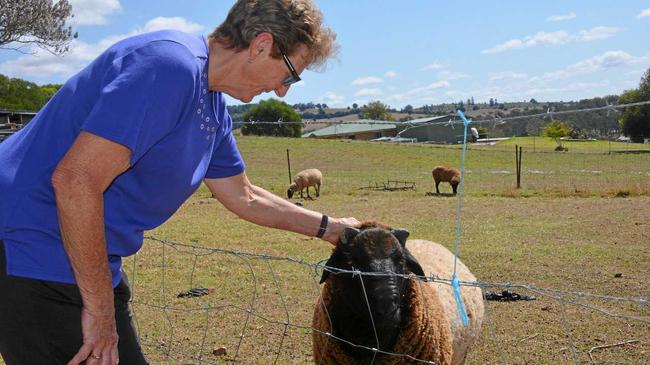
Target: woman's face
266,74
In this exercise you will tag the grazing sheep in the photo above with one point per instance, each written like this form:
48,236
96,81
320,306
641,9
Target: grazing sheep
411,317
449,174
303,180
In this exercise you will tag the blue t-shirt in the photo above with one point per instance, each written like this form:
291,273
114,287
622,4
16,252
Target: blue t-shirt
148,93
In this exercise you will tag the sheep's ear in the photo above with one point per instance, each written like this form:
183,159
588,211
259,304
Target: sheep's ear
401,235
336,260
348,235
413,265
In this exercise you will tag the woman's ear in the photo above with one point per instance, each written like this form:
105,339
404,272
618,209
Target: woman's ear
261,44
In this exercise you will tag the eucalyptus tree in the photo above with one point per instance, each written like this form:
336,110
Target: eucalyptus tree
44,23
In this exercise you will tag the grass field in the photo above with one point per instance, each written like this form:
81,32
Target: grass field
543,144
579,219
580,225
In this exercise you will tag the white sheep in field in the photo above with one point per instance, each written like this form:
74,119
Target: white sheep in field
410,316
448,174
303,180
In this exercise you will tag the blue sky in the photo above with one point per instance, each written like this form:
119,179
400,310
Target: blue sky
408,52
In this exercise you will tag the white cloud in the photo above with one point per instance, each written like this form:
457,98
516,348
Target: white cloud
604,74
332,99
176,23
597,33
557,18
605,61
93,12
454,93
368,92
643,14
638,72
579,86
434,66
451,75
506,75
43,66
390,74
434,86
420,93
367,80
554,38
560,91
541,38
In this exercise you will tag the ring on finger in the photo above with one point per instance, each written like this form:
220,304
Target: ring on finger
96,357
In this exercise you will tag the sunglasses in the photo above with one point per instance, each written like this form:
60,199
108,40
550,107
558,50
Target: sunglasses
293,77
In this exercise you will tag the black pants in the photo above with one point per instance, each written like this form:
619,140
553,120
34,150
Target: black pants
40,321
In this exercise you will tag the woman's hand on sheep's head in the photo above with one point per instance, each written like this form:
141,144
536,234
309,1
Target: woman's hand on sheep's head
336,226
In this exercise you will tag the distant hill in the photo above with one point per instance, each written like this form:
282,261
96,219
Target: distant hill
18,94
585,124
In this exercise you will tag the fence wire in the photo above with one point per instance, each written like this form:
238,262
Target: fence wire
246,307
168,339
500,120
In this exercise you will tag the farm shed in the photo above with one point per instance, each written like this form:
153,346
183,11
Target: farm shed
363,129
434,129
21,117
12,120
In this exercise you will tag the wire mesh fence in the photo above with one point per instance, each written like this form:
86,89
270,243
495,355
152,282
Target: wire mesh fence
257,309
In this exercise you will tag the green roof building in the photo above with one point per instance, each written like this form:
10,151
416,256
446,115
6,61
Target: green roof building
364,129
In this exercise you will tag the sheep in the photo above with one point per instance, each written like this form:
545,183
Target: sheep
303,180
411,317
449,174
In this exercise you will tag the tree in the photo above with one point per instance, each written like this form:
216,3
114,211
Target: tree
18,94
635,121
376,110
408,109
272,118
355,105
39,22
557,130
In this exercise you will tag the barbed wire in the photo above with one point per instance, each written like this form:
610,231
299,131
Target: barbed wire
431,278
549,114
453,121
562,297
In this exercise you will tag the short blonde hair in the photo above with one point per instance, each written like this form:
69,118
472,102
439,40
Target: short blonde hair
291,22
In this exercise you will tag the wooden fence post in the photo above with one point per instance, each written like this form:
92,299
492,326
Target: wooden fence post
518,153
289,165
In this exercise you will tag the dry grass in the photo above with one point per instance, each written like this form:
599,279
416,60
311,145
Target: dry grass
572,244
569,229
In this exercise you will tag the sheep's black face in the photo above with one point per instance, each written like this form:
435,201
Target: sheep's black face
365,304
289,193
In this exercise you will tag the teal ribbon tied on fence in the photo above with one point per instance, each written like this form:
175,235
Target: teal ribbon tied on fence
455,283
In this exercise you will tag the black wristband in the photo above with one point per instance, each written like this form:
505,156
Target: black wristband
323,227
